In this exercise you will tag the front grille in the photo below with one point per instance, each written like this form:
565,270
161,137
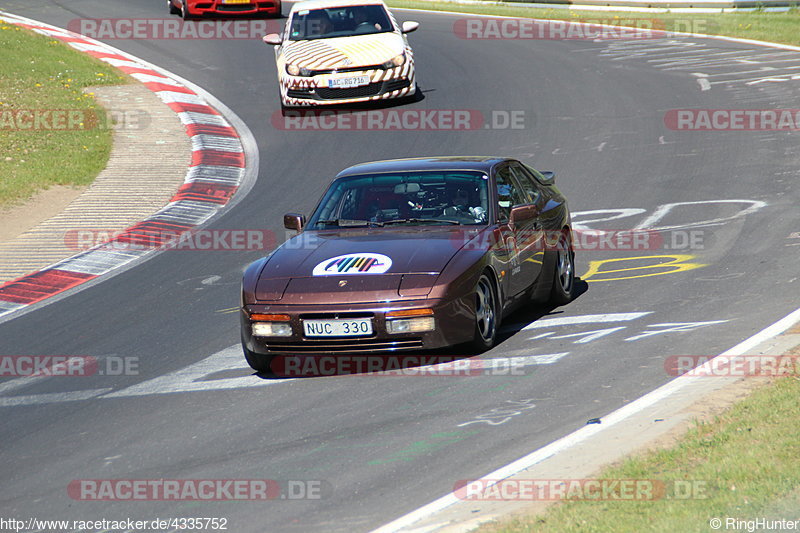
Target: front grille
344,346
235,7
353,92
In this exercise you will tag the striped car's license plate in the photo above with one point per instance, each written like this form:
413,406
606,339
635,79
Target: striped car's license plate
348,83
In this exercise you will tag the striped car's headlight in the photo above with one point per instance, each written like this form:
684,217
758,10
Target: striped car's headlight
396,61
294,70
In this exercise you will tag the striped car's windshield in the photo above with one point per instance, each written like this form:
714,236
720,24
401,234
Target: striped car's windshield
339,22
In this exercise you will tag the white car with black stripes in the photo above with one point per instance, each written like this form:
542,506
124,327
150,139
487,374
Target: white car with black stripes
341,52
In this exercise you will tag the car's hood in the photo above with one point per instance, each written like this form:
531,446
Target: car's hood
359,265
341,52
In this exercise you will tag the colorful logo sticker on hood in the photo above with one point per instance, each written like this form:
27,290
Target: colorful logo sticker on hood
365,263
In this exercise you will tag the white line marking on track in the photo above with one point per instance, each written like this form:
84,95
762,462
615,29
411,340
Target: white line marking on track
194,377
662,211
54,397
765,80
673,327
584,319
589,336
770,70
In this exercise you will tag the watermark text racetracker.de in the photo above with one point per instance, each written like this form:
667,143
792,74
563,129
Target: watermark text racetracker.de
198,490
490,28
144,238
172,29
405,365
29,119
591,240
67,366
397,119
732,119
755,365
634,490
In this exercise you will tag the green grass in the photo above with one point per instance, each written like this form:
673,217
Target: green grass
40,73
746,458
760,25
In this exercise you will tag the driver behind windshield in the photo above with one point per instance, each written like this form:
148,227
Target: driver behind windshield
362,20
461,204
314,25
319,24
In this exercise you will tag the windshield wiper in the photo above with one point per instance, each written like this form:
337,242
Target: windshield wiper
349,223
404,220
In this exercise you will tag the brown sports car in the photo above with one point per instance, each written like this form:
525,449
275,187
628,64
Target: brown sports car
410,254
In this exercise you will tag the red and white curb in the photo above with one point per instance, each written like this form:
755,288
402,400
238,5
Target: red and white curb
216,173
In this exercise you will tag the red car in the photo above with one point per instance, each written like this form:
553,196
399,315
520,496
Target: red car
189,9
410,254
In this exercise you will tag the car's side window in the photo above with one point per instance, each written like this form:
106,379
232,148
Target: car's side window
349,204
508,194
527,183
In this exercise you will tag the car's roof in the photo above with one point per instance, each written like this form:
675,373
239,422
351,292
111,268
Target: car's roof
321,4
474,163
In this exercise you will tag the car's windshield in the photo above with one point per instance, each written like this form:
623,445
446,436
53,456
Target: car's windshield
408,198
339,22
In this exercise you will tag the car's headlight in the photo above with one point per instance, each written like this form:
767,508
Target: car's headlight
396,61
264,325
410,320
271,329
410,325
294,70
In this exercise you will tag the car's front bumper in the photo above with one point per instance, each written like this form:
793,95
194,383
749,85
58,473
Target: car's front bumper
454,324
396,82
218,7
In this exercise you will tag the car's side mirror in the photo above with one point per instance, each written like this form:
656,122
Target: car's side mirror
294,221
522,212
549,176
409,26
272,38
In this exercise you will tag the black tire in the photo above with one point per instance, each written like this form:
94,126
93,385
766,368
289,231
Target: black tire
258,362
563,289
172,9
485,315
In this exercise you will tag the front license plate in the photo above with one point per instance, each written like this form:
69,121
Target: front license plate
348,83
235,1
338,327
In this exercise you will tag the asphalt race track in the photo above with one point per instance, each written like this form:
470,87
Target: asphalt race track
381,447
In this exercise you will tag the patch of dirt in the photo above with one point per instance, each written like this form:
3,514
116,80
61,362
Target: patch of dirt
17,219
